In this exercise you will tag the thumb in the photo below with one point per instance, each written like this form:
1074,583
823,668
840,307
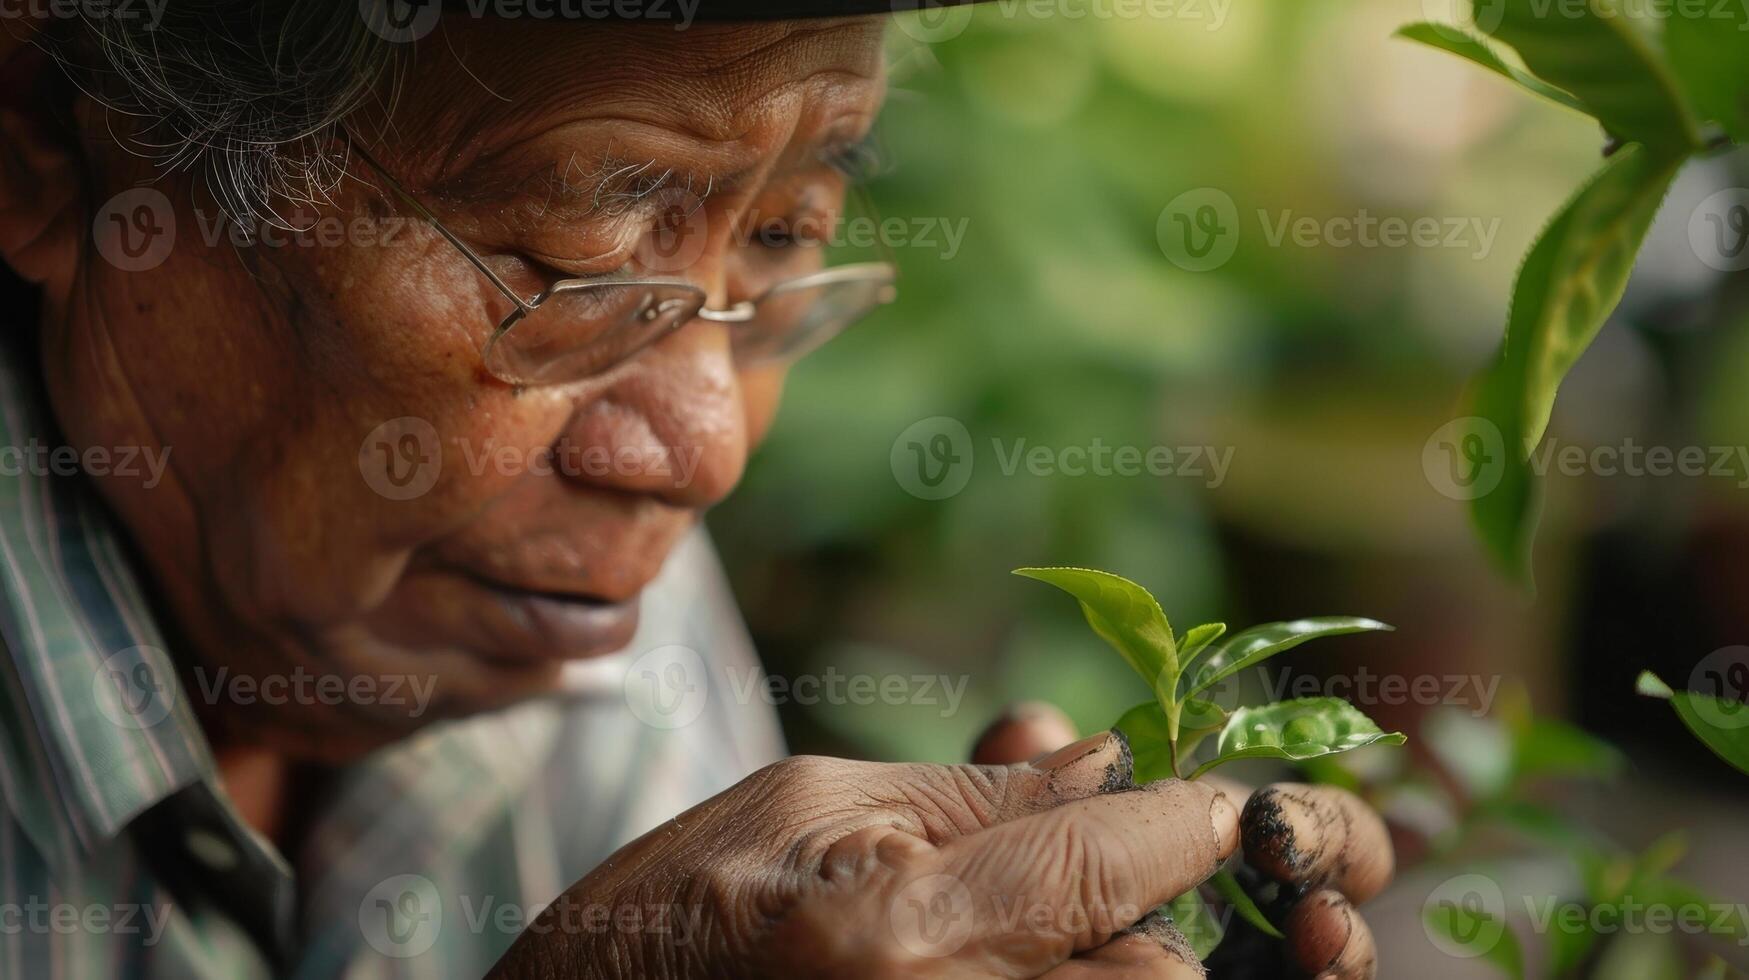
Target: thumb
1024,732
1046,886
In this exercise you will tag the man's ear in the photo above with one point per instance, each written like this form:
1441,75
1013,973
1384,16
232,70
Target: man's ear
40,185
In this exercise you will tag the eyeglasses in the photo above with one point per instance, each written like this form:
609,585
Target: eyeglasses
580,328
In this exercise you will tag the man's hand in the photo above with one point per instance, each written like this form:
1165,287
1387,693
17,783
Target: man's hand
819,867
1321,842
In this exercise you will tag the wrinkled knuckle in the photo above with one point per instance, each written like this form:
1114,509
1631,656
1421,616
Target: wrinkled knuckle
799,773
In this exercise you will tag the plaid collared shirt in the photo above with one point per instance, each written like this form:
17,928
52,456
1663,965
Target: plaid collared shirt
121,856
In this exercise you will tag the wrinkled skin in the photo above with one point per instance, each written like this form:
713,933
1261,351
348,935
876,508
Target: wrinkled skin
827,868
265,370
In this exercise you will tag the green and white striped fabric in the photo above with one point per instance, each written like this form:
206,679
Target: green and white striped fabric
121,857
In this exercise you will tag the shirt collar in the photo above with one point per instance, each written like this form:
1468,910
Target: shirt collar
97,726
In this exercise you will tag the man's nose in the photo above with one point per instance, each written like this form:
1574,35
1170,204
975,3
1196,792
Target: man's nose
674,425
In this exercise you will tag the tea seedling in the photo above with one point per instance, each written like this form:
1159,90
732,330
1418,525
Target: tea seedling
1182,671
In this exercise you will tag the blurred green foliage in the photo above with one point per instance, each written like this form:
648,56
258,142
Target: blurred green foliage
1060,320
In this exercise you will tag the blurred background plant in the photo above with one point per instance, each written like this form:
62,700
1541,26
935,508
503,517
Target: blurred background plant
1325,368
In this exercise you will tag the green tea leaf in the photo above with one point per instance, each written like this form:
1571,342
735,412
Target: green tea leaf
1708,44
1193,918
1259,643
1150,742
1567,287
1722,724
1193,643
1294,730
1476,929
1547,747
1198,719
1462,43
1596,51
1227,886
1125,616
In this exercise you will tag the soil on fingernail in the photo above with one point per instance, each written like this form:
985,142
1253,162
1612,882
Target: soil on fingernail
1160,929
1266,830
1120,774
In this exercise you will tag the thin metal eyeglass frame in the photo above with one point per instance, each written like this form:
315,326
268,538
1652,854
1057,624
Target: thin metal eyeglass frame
741,312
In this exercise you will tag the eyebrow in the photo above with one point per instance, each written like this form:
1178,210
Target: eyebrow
616,184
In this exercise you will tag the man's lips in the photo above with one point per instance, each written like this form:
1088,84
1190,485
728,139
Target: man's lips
533,624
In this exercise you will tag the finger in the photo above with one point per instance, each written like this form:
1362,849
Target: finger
1318,836
1096,866
1025,731
1329,940
1097,764
1152,949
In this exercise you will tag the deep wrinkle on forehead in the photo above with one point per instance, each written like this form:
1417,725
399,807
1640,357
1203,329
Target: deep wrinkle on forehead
702,92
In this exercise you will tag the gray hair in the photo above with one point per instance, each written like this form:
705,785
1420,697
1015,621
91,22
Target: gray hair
246,91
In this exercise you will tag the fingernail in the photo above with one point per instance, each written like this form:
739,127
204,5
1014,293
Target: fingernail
1224,817
1160,929
1273,824
1074,750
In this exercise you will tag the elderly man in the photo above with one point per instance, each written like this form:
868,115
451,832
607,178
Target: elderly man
365,378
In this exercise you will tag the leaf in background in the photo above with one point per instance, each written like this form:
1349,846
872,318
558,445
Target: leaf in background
1192,917
1477,752
1569,284
1538,823
1703,715
1639,956
1193,642
1547,747
1464,925
1125,616
1462,43
1257,644
1227,886
1708,46
1661,855
1597,52
1672,893
1293,730
1150,743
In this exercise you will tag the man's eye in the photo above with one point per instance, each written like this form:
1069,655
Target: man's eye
804,229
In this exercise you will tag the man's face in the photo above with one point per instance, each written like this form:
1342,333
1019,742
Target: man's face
349,492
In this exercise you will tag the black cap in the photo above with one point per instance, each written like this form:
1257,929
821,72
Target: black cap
682,10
